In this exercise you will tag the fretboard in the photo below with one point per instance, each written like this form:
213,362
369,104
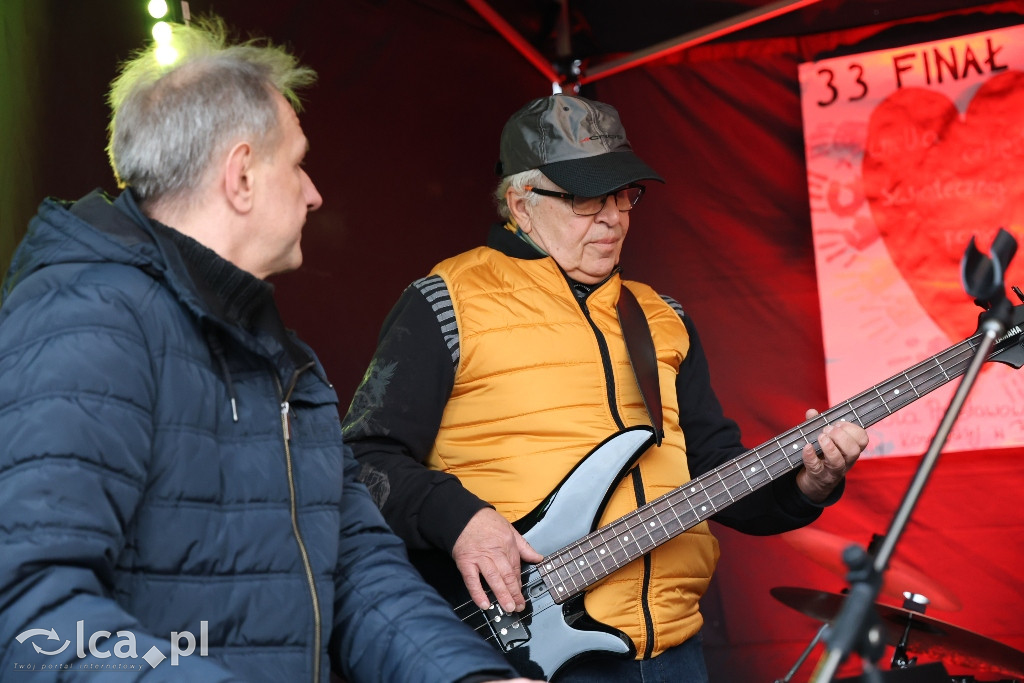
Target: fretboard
576,567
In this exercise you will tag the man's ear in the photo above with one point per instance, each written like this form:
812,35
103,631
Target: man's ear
239,179
517,209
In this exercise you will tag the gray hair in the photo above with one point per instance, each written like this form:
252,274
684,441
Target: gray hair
518,181
169,122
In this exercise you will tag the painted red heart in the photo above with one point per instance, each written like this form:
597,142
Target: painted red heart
934,179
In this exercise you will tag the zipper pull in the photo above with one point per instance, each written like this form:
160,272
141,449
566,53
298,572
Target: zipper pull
286,420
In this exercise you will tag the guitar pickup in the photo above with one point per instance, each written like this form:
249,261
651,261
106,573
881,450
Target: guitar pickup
509,629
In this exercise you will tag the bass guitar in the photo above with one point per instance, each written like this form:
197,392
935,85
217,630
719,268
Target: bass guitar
554,629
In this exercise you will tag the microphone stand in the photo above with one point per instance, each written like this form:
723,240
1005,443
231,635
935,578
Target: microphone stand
803,656
857,628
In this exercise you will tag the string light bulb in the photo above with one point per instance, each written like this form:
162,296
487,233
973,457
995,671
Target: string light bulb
165,55
162,33
157,8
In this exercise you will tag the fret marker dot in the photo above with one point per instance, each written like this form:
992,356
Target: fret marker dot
547,566
703,508
692,489
582,562
651,524
796,447
625,538
560,589
753,468
896,391
603,551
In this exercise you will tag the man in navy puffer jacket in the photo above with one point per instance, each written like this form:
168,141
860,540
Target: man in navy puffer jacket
176,502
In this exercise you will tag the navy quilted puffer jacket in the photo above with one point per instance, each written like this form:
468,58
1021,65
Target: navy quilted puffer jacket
170,477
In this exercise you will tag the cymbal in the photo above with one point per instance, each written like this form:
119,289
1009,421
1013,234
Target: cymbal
927,636
827,550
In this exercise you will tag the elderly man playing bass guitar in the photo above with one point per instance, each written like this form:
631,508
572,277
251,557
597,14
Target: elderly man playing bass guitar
496,375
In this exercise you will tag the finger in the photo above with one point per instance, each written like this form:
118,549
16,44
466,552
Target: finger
832,457
824,462
514,583
500,586
526,551
850,440
843,443
827,451
857,434
811,458
471,577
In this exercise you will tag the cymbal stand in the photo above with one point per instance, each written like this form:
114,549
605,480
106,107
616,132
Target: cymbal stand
914,603
857,627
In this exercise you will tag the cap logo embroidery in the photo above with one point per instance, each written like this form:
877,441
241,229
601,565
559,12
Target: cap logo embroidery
599,137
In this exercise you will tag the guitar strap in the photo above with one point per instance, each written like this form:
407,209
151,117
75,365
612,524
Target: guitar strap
642,356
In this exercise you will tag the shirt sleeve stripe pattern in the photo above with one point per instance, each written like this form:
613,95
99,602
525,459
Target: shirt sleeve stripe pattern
435,291
675,305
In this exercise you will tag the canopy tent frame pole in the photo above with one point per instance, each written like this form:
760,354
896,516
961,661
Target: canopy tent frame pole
523,46
692,38
656,51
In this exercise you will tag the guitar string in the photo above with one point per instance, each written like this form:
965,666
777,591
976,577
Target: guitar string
902,379
885,405
955,359
777,447
568,549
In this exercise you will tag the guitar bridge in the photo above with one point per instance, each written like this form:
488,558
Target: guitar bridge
509,629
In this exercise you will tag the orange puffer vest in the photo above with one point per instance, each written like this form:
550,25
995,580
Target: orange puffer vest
540,382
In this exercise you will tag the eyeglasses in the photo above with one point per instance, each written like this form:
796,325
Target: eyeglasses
625,199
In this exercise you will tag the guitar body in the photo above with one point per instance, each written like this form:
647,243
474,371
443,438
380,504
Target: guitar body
547,636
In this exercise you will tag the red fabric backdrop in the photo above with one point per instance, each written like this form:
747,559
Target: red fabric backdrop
729,236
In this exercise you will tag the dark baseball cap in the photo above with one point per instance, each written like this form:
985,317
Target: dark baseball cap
578,143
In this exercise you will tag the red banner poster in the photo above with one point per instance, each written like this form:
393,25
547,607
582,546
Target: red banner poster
911,152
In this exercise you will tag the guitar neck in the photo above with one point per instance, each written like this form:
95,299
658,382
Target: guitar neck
574,568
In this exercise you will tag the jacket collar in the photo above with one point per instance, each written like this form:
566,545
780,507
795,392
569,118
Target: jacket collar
508,243
502,239
220,295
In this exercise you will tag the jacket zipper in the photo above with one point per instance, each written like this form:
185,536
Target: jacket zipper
645,589
606,362
293,505
638,484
